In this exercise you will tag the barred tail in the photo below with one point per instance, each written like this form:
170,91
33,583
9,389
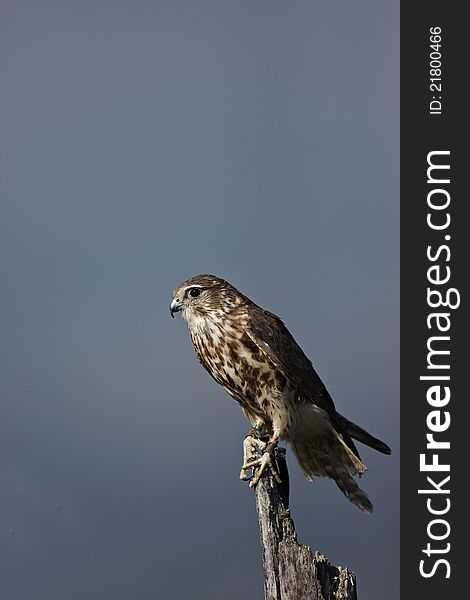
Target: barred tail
352,491
328,456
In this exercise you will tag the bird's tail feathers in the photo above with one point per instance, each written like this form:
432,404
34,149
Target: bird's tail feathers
351,490
361,435
326,458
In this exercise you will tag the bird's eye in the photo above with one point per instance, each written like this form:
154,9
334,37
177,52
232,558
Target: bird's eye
194,292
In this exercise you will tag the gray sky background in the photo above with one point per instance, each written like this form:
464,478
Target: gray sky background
143,142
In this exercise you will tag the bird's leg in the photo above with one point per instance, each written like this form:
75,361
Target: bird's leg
251,443
266,461
254,443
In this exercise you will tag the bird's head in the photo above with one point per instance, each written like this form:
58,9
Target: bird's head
204,297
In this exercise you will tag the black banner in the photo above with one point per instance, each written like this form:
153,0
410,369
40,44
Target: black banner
434,253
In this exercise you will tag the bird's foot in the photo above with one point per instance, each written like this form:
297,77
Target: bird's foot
252,445
265,462
252,461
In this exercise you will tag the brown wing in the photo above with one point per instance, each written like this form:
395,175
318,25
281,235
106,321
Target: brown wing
275,341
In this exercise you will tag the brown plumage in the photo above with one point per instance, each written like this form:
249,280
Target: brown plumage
251,354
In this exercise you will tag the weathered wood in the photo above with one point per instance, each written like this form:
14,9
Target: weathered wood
291,570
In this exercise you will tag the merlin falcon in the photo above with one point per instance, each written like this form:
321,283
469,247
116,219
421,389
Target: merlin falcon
252,355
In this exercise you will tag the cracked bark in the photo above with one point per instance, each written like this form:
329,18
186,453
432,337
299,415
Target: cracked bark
291,570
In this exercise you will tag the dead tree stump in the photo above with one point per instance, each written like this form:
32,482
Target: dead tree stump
291,570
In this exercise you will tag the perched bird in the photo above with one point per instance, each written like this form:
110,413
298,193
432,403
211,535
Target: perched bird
252,355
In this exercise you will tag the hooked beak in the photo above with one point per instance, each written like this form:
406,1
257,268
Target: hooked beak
175,306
